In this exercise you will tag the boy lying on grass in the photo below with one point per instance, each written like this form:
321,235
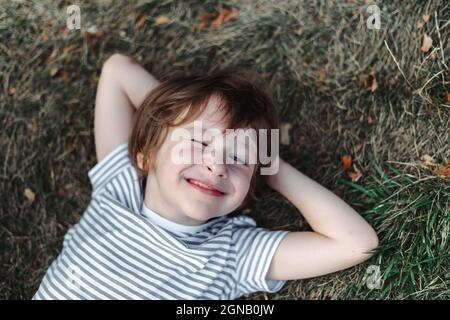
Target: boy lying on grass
159,228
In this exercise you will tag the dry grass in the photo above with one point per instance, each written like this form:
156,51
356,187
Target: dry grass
315,55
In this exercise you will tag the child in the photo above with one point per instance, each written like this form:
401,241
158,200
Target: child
159,229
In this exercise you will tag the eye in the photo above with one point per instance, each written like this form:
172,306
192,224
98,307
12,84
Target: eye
204,144
239,161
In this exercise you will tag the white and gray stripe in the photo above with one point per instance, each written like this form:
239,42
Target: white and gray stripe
114,252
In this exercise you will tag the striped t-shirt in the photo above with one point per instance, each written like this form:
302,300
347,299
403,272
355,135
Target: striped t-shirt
122,250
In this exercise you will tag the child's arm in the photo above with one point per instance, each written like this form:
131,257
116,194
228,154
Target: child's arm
122,87
340,238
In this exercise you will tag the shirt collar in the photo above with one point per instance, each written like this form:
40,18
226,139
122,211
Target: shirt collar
170,225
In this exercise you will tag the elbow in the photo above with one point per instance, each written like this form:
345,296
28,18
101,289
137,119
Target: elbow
364,244
114,61
367,245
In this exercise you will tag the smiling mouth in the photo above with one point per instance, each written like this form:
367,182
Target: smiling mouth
203,188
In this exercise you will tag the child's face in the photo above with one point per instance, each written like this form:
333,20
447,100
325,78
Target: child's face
170,191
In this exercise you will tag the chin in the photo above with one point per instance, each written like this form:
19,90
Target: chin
200,214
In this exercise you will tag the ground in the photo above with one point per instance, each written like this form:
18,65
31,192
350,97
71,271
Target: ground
368,111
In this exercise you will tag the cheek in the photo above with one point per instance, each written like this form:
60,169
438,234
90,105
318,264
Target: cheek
241,180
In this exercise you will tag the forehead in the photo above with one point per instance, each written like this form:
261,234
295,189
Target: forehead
211,116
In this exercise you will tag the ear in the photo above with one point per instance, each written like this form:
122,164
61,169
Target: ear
140,162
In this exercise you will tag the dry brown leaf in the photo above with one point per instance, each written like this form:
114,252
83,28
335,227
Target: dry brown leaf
29,194
216,19
140,21
230,14
427,43
371,82
442,171
346,161
428,160
425,18
217,22
161,20
53,71
320,76
355,175
64,76
297,30
11,90
448,96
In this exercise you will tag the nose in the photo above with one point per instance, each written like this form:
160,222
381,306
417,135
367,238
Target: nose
218,169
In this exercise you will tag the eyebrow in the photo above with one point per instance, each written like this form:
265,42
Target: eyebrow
203,130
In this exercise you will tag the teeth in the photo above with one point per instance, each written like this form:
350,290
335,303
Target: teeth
200,184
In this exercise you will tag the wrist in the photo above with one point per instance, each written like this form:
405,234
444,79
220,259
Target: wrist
273,180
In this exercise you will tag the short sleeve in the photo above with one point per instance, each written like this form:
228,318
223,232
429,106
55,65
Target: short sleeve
256,248
109,167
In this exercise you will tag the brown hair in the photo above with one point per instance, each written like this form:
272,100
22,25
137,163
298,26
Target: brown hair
243,103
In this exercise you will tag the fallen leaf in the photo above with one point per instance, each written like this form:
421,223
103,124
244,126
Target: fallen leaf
54,71
12,90
428,160
266,297
355,175
448,96
371,82
217,22
442,171
161,20
216,19
64,76
346,161
320,76
140,21
297,29
29,194
425,18
230,14
427,43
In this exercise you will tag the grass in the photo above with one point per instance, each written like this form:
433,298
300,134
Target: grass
318,58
